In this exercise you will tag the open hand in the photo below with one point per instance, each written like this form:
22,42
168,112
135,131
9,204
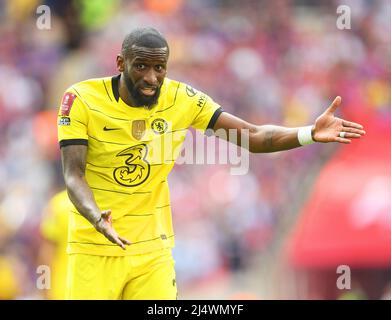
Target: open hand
104,226
329,128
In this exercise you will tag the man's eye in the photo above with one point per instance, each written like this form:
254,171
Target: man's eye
159,68
140,66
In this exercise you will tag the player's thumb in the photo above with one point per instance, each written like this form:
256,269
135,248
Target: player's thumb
334,105
106,214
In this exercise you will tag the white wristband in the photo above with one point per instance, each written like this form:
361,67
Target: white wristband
304,135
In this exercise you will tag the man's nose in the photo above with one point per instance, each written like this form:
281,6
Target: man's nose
150,77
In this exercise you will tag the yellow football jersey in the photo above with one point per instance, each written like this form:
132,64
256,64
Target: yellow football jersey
54,227
131,151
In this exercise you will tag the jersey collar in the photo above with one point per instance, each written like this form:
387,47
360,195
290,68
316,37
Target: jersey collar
115,86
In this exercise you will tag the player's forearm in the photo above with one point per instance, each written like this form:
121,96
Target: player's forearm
258,139
271,138
82,197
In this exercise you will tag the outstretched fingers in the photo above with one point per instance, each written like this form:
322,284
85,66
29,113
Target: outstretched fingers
350,130
348,133
117,240
352,125
353,132
342,140
125,241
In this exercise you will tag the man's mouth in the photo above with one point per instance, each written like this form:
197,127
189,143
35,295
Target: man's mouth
148,91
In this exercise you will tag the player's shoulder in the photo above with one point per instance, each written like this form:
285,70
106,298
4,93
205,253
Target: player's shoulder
89,85
183,90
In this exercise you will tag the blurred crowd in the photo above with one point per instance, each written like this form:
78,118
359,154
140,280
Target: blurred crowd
279,62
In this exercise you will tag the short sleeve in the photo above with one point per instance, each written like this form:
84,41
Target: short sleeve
206,112
72,120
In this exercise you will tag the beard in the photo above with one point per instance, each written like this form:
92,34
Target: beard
138,98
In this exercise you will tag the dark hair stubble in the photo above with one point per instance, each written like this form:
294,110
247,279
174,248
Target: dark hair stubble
138,98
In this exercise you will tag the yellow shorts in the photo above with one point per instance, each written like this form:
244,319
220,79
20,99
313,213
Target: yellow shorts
149,276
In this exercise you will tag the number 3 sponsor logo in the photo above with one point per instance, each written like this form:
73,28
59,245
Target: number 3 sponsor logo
136,169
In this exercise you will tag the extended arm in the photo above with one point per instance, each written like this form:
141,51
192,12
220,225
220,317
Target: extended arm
74,162
271,138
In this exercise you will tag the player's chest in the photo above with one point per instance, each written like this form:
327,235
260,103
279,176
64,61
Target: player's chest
122,128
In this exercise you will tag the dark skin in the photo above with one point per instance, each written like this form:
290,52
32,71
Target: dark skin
271,138
74,163
146,69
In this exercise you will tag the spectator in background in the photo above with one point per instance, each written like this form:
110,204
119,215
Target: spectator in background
54,230
10,286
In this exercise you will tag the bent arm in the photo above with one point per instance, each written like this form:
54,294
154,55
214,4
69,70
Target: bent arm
73,163
261,139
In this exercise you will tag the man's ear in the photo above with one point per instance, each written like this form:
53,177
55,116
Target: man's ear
120,63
